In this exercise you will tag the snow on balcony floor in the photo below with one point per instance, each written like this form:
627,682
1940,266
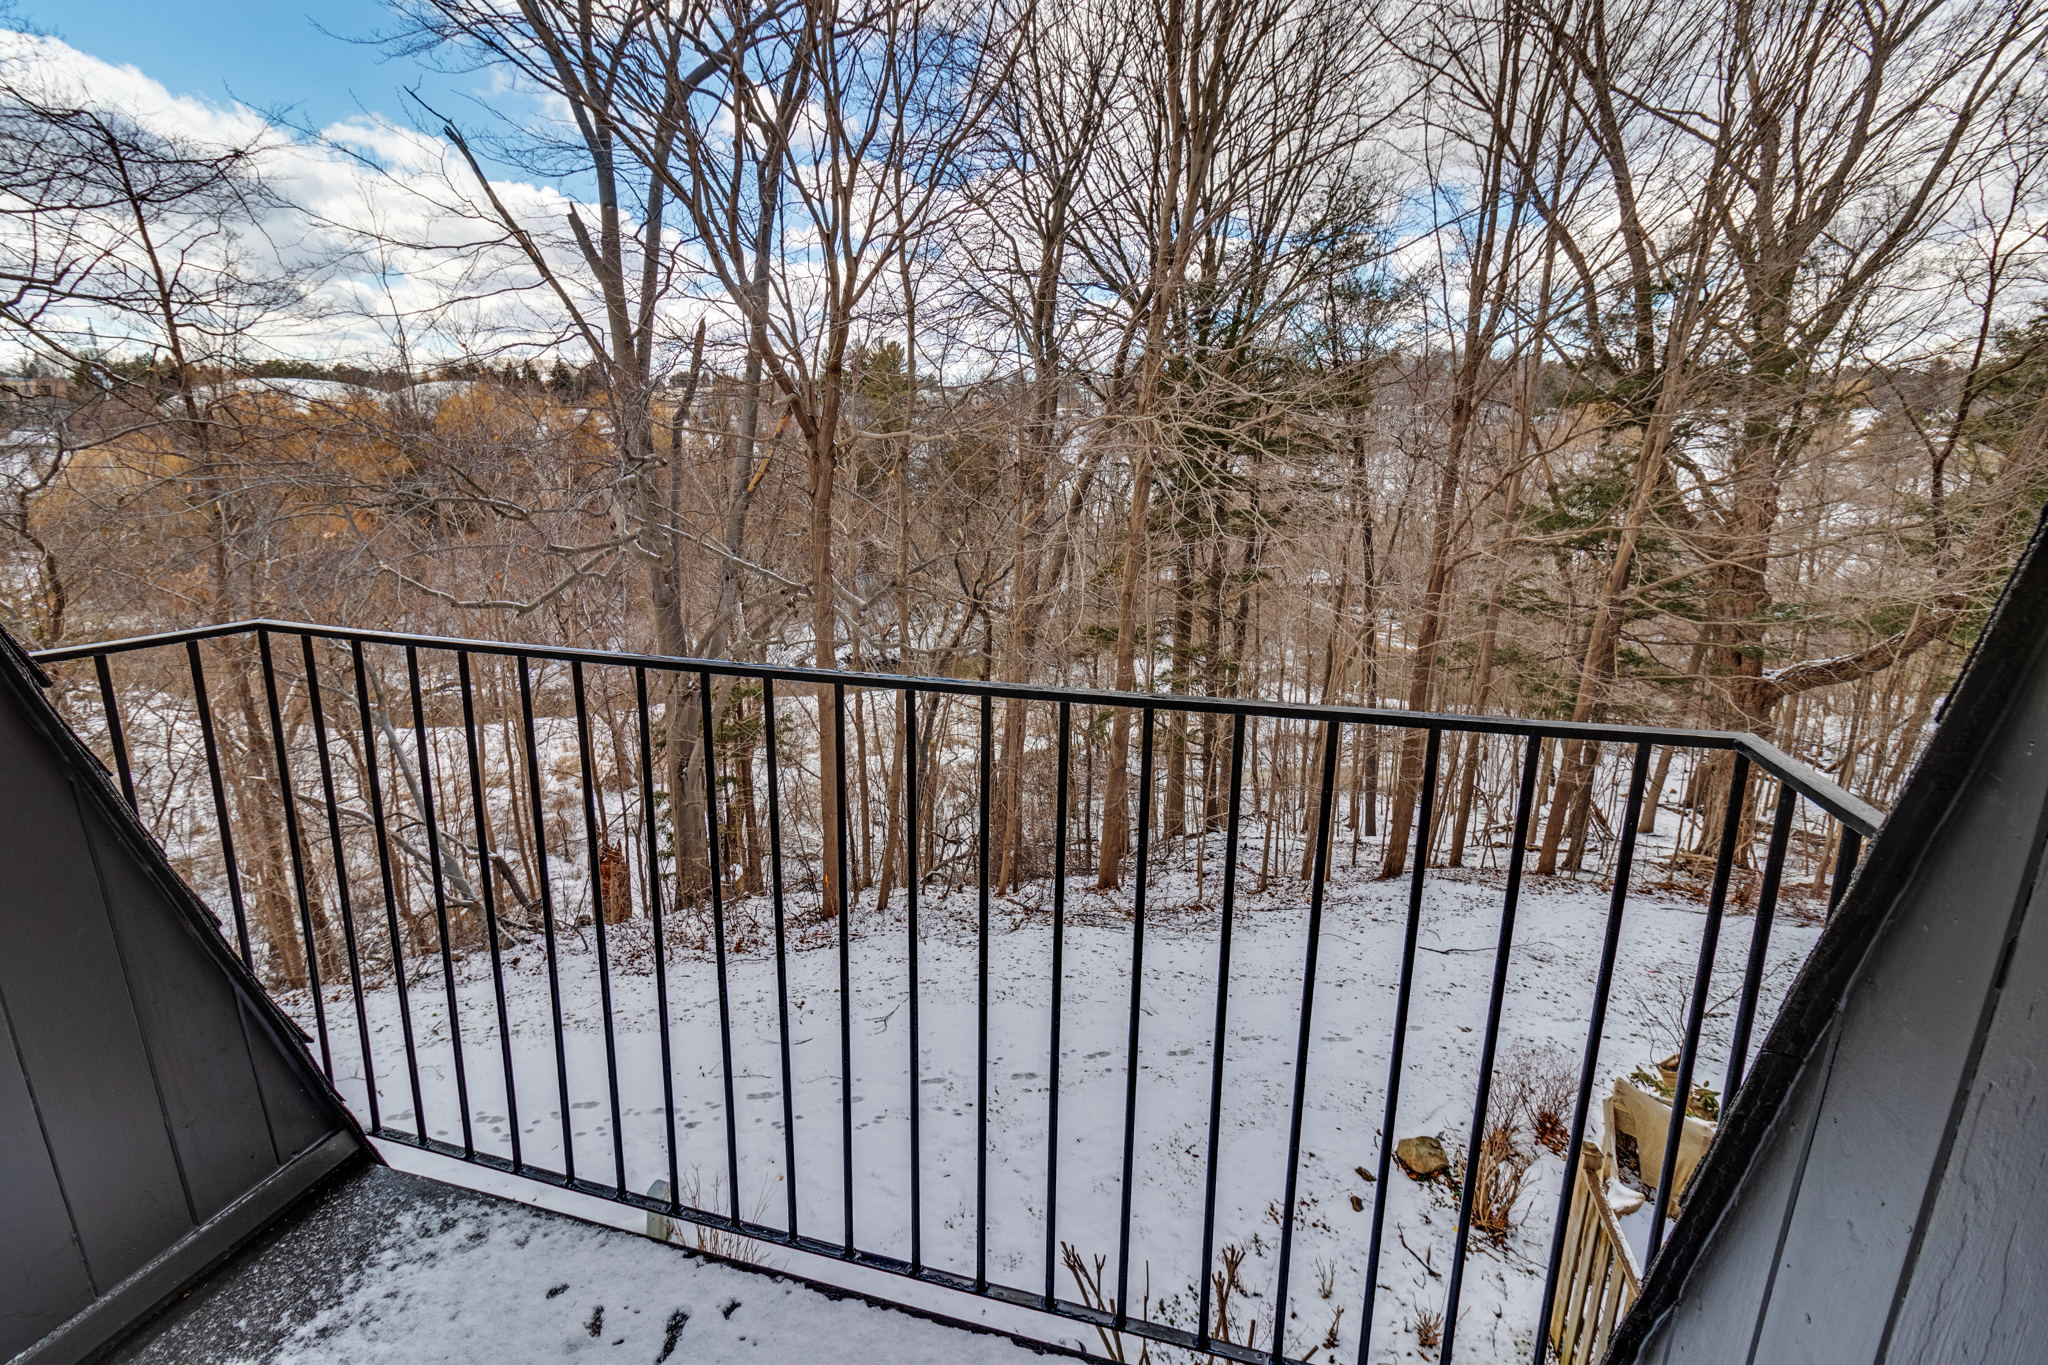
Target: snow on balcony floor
393,1267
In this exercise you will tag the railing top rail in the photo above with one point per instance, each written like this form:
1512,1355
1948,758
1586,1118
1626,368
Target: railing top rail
1854,812
1816,786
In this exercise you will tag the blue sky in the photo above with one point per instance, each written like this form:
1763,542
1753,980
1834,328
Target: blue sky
266,53
188,68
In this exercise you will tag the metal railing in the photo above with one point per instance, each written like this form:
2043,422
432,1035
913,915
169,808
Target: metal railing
464,837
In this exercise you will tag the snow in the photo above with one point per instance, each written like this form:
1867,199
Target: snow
430,394
1545,1008
1634,1221
323,393
383,1266
496,1283
302,393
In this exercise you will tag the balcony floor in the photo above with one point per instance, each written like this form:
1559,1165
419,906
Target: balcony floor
386,1266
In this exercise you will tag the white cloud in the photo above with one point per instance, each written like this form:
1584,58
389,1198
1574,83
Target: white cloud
382,222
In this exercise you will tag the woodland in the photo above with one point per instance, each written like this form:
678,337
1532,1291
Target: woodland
1643,363
1621,361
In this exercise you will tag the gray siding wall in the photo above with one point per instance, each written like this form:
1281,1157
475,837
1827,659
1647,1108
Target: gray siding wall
153,1112
1896,1209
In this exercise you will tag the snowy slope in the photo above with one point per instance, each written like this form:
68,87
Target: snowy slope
1555,948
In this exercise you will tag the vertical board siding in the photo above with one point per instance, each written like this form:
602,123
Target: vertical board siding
42,1270
75,1029
212,1109
144,1088
1980,1282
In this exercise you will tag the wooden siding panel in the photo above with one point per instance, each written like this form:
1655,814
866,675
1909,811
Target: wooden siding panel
150,1102
1980,1282
75,1025
189,1014
41,1268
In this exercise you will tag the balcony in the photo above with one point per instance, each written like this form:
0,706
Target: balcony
850,975
382,1264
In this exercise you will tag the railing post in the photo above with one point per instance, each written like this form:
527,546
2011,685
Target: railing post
1845,867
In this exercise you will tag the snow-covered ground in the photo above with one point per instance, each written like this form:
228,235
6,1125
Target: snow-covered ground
1556,946
492,1285
382,1268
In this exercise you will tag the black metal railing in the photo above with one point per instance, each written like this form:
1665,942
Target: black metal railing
586,848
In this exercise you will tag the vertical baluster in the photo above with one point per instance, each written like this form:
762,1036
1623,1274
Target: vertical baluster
1587,1325
774,766
910,893
117,737
1572,1231
341,888
374,787
429,815
1063,763
1845,867
1609,1301
838,800
593,846
1702,989
1759,941
1571,1300
1305,1026
295,846
652,823
1219,1036
1139,884
1572,1308
981,996
715,861
545,892
210,743
472,746
1511,900
1397,1047
1592,1276
1596,1026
